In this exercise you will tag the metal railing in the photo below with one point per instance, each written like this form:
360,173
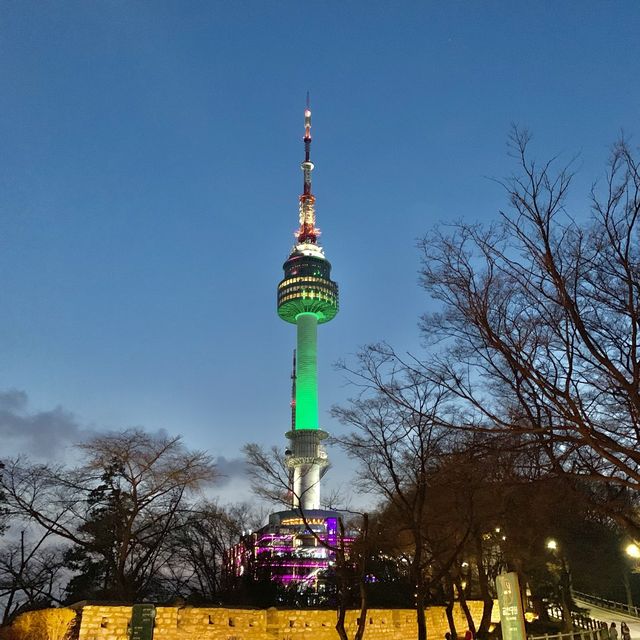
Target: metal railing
578,620
608,604
601,633
584,627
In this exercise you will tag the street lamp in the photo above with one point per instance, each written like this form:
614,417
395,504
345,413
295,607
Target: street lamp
633,551
560,569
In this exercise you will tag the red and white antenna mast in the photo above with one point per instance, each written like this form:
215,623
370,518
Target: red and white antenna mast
307,232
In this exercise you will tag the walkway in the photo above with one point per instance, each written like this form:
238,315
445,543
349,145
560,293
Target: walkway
608,616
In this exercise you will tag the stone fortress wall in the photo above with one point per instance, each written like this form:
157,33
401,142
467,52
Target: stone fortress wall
106,622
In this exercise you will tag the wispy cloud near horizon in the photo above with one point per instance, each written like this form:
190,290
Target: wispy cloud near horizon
45,434
230,470
50,435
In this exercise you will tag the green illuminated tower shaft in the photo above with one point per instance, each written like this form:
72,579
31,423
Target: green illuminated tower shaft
307,372
307,297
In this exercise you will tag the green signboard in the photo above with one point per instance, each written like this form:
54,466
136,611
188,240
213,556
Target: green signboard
142,617
511,610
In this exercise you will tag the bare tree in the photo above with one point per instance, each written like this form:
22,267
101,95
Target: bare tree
466,503
199,546
398,436
3,510
118,509
540,321
30,575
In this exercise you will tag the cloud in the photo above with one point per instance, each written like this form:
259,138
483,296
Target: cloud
50,435
44,434
230,470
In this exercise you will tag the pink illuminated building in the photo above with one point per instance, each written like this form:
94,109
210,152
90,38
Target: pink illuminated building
293,552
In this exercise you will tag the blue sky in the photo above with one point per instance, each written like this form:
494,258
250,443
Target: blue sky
149,175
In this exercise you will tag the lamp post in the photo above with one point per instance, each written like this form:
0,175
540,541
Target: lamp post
632,550
564,580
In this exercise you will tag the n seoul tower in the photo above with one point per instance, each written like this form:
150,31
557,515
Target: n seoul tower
307,297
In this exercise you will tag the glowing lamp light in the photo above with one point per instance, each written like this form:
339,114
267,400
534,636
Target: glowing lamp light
552,545
632,550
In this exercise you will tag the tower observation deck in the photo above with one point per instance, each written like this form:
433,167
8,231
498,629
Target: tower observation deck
307,297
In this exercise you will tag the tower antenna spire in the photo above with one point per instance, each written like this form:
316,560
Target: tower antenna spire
307,233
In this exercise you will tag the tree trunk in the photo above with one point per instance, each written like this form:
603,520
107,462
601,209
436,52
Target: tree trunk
471,625
15,583
342,612
483,583
565,596
418,581
627,588
420,617
345,583
362,585
364,610
449,608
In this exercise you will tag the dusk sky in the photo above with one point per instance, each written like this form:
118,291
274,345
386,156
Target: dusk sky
149,182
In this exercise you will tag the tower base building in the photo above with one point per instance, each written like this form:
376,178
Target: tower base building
297,555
